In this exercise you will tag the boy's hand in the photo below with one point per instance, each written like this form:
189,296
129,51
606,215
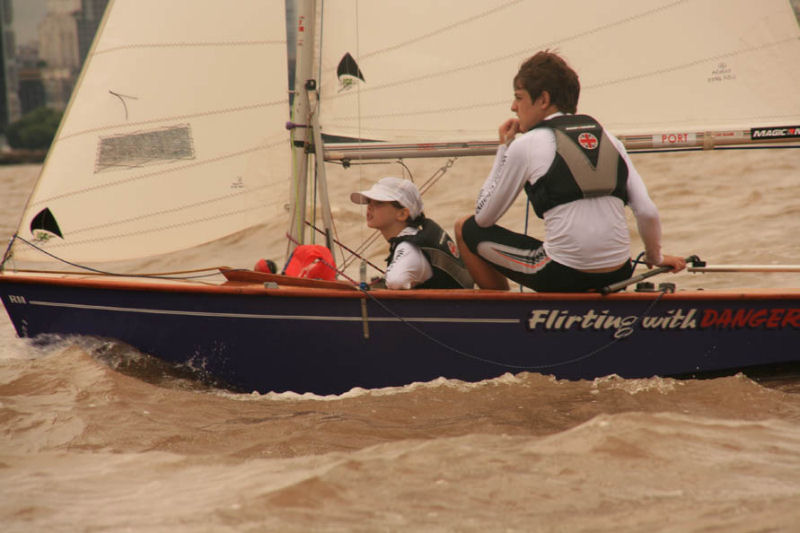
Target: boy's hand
508,130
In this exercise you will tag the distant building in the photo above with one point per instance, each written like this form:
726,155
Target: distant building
58,51
65,37
9,101
28,56
88,19
31,90
58,36
63,6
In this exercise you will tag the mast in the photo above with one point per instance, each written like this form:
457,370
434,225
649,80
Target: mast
306,135
304,26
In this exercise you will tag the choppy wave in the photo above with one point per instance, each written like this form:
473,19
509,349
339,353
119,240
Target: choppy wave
521,452
77,380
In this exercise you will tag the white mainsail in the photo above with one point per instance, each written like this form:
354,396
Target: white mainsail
668,70
175,135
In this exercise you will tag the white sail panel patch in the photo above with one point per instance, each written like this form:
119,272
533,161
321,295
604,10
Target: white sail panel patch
143,148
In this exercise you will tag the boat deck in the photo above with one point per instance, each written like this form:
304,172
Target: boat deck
259,284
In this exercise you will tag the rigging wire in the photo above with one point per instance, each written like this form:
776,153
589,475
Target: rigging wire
374,235
429,183
376,267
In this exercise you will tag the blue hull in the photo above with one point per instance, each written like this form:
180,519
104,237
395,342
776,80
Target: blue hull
324,341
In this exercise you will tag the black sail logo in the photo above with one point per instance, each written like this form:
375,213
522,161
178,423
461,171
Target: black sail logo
348,73
44,226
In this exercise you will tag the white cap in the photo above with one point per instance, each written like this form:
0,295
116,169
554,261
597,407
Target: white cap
392,189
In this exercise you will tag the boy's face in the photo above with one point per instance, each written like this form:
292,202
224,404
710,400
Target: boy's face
529,112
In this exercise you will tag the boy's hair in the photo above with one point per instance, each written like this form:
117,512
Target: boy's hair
546,71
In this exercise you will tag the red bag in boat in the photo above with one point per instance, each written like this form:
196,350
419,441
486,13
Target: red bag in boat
266,265
312,261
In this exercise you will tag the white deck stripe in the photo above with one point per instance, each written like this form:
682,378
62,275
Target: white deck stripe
274,317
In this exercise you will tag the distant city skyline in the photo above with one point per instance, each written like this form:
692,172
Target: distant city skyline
27,16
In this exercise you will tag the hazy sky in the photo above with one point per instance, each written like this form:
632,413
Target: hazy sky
27,15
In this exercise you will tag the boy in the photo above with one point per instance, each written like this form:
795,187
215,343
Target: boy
578,178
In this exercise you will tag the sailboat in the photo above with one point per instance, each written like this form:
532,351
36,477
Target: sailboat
194,121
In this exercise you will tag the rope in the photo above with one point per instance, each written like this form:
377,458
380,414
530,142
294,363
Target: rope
501,364
376,267
477,357
106,273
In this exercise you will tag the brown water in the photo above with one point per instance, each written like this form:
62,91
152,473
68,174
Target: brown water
97,437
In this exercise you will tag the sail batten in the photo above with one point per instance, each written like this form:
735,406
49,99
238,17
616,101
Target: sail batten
166,45
154,174
693,63
177,118
171,211
504,57
150,229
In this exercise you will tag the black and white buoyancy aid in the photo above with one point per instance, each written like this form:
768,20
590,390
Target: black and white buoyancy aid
441,252
587,165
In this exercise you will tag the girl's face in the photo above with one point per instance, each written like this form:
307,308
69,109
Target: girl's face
383,215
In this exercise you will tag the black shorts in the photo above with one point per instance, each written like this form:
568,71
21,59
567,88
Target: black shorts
523,259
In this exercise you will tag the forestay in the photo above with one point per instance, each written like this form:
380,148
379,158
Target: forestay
175,135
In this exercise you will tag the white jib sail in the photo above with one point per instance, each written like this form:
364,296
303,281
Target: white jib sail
442,71
175,135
